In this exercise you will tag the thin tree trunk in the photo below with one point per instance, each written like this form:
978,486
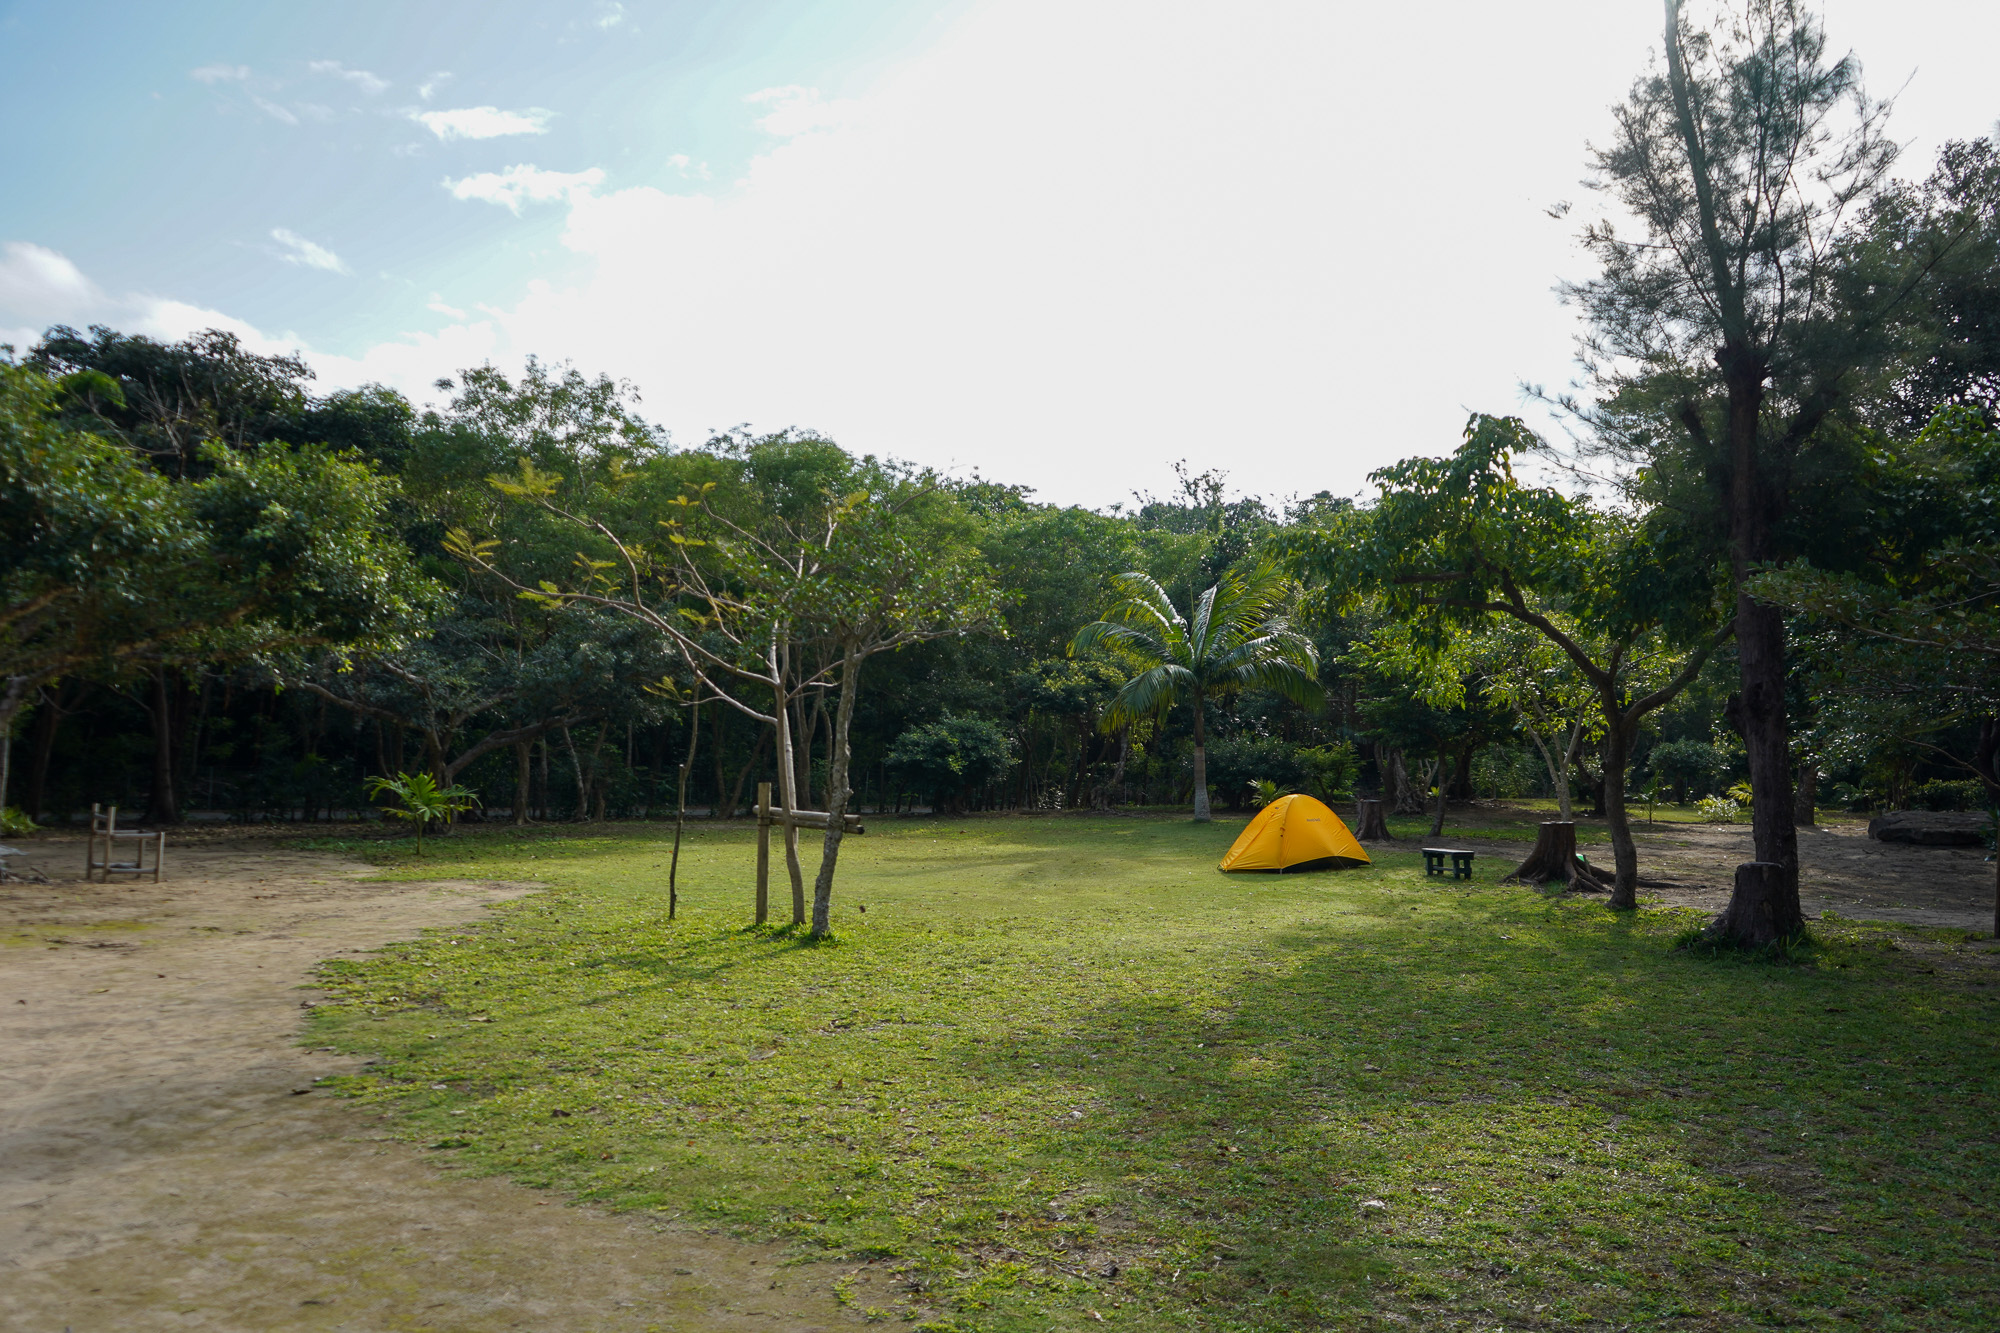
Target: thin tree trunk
680,812
1437,822
161,805
1115,793
836,795
787,777
1624,852
582,814
1805,796
524,778
48,716
1568,767
597,782
743,775
725,806
1201,812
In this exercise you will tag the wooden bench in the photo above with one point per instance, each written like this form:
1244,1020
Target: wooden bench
107,841
1461,861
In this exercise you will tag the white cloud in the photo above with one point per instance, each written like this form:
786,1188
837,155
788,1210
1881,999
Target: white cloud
483,122
450,312
433,83
35,279
1273,246
525,184
360,78
688,167
610,15
40,287
220,74
795,110
273,110
302,251
1068,248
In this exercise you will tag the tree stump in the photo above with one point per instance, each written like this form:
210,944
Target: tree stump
1759,913
1554,858
1370,824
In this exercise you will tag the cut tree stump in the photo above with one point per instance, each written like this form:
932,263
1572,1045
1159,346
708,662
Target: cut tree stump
1370,824
1757,915
1554,858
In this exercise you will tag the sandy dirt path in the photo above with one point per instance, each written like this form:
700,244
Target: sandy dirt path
159,1168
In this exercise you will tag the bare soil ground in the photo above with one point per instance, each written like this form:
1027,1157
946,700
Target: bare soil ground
1841,869
164,1164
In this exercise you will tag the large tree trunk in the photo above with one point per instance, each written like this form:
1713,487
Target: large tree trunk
1758,915
836,796
1201,812
1756,496
1407,800
1760,643
162,806
1461,776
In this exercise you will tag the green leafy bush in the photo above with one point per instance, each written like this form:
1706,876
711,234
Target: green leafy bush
1966,795
1690,767
1236,763
14,822
947,761
1331,770
1719,809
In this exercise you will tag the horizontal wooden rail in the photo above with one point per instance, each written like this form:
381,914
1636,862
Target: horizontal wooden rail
770,817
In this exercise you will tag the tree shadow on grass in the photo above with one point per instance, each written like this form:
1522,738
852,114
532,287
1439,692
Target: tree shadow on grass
1573,1122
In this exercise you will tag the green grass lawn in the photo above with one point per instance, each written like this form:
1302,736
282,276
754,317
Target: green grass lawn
1062,1074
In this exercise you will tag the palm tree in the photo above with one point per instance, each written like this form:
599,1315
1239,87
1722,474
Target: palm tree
1236,638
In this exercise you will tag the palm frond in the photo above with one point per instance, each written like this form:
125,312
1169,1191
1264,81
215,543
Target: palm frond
1135,640
1150,692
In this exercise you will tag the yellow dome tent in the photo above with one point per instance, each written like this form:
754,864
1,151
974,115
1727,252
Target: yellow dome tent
1294,833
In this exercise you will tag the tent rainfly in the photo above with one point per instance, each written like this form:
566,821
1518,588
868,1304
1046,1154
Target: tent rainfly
1295,833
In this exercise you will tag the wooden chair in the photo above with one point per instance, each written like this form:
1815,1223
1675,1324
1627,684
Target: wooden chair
107,841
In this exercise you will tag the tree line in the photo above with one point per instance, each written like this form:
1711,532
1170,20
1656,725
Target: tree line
1763,552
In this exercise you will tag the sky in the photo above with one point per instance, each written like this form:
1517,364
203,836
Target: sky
1059,243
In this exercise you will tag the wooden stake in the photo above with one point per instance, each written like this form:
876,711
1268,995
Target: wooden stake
763,852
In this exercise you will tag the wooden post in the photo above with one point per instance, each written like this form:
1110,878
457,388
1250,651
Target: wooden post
1371,826
763,852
